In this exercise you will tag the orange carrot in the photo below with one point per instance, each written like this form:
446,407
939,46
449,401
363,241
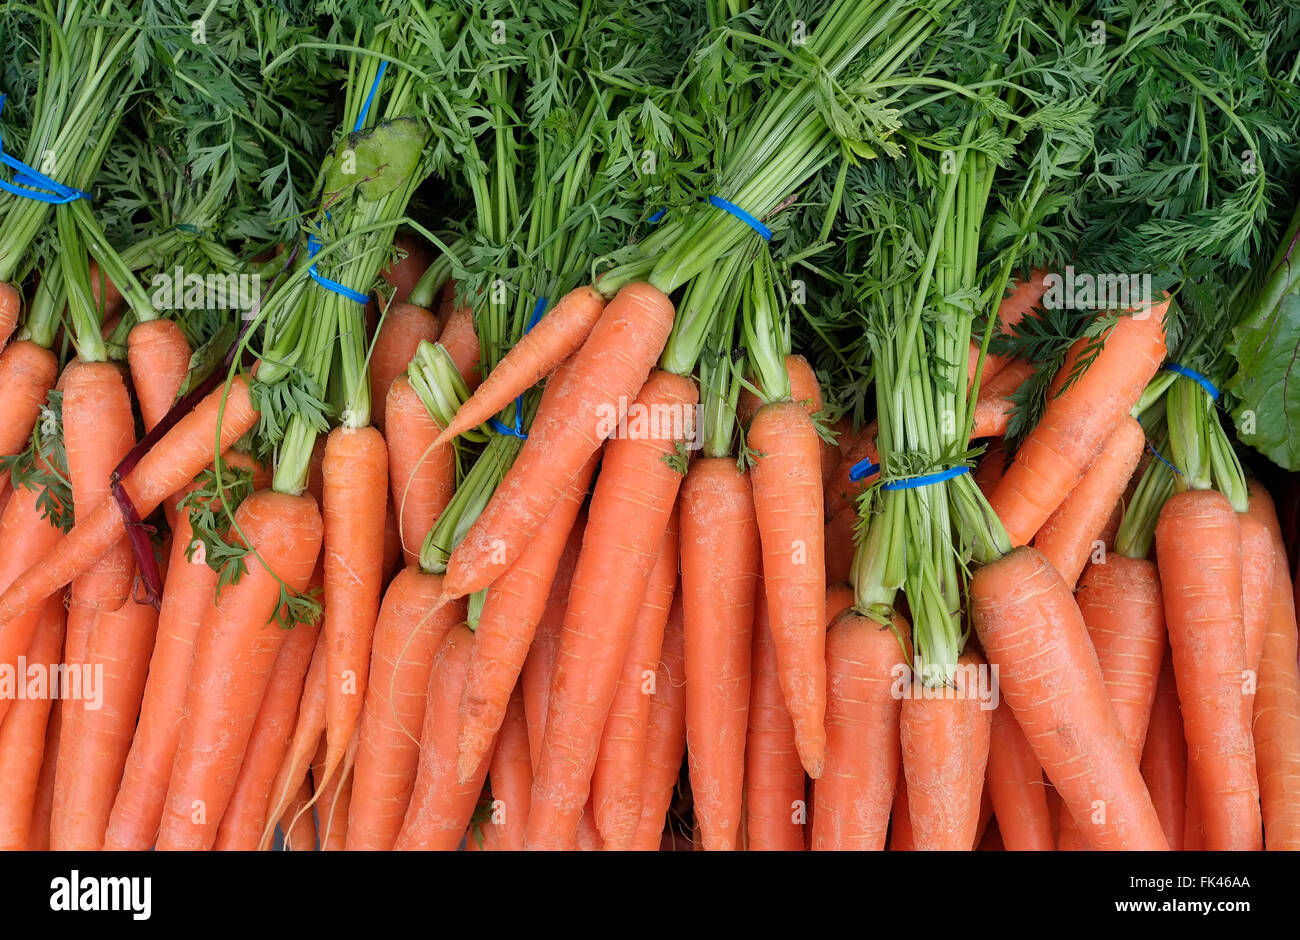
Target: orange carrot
989,471
11,304
332,797
421,475
1032,631
27,374
511,776
855,793
159,356
298,824
538,352
1024,297
616,781
1015,785
233,658
38,836
839,598
461,342
1198,544
308,731
995,403
804,390
356,496
1164,756
788,506
403,274
511,611
408,634
944,739
1277,716
1076,424
665,735
401,331
843,490
630,509
1258,566
840,545
441,807
604,376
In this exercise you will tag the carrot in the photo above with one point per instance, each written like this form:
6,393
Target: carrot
244,820
1024,297
1015,786
630,509
401,331
308,731
1164,756
1032,631
333,796
839,598
720,563
538,352
403,274
461,342
1070,535
1198,544
944,740
298,824
616,781
989,471
665,735
422,476
356,496
843,490
184,451
11,305
1122,608
1277,716
775,805
804,389
605,374
1077,422
98,430
995,403
511,776
38,835
1257,571
788,506
855,792
23,735
236,651
94,746
840,546
104,291
408,634
159,356
27,373
440,806
511,611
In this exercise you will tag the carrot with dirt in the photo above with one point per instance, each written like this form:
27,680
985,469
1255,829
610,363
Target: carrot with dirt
1030,628
616,782
1164,756
1015,785
630,509
855,792
1198,544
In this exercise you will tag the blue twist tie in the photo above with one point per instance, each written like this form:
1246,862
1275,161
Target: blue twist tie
313,247
518,429
654,219
1160,457
1210,388
374,87
26,176
926,480
743,216
863,468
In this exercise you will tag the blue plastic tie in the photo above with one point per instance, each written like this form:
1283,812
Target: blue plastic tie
654,219
926,480
26,176
1160,457
313,247
518,429
743,216
374,87
863,468
1210,388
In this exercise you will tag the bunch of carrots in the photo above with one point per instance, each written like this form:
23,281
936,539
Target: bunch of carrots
799,517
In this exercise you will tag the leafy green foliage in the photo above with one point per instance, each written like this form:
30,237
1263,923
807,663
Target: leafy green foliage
210,507
43,466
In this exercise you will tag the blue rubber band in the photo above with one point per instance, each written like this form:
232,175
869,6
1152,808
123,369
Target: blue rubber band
654,219
1210,388
313,247
26,176
863,468
374,87
743,216
518,429
926,480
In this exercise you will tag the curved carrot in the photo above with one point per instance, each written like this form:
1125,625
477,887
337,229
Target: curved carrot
1030,628
308,732
441,807
159,357
804,390
236,651
538,352
401,331
27,373
720,564
630,510
11,304
616,781
1077,422
460,340
855,792
1198,544
665,735
1164,756
421,475
355,472
511,611
408,634
511,777
1277,716
176,460
1015,785
944,739
788,506
995,403
605,374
